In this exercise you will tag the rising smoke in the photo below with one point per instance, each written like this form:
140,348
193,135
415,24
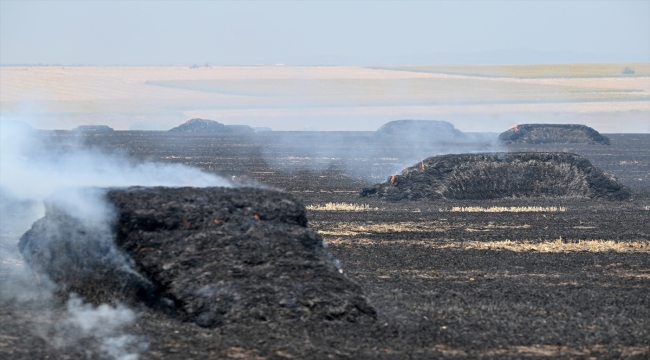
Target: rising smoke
370,156
35,170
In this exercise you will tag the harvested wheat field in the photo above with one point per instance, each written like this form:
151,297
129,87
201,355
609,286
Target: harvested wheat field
316,271
329,98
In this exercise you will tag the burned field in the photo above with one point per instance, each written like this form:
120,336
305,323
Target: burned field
513,277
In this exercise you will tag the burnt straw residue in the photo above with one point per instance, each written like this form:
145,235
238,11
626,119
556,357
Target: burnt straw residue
207,255
500,175
552,134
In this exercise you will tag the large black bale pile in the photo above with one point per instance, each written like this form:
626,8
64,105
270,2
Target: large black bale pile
209,255
552,134
496,176
420,131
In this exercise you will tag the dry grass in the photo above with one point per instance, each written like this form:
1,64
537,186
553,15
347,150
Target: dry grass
532,71
132,89
507,209
353,229
555,246
342,207
561,246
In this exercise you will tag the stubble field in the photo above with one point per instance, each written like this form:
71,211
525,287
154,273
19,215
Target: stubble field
494,278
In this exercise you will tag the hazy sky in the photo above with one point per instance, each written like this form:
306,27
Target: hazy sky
329,33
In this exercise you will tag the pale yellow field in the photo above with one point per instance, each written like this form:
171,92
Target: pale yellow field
534,71
330,98
506,209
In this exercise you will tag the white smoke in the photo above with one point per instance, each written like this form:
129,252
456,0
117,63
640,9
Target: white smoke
365,155
35,167
102,326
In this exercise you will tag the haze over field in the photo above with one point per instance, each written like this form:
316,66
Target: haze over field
345,63
474,98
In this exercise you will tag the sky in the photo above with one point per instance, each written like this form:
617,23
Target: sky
322,33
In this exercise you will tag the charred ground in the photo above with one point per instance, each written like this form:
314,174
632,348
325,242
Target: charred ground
443,282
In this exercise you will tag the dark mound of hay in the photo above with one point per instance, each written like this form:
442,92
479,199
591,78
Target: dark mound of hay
240,129
93,128
495,176
552,134
210,255
201,126
421,130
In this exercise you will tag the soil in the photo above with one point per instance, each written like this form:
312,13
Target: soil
552,134
500,175
436,294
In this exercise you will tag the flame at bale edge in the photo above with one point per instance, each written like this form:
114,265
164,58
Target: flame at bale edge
393,179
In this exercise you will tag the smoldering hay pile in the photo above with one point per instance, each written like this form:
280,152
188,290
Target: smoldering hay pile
552,134
207,255
500,175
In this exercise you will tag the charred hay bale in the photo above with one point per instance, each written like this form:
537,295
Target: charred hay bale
495,176
420,131
202,126
552,134
210,255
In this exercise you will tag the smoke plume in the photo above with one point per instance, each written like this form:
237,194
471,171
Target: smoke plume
35,170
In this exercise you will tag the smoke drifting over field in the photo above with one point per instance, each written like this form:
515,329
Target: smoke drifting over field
35,171
406,142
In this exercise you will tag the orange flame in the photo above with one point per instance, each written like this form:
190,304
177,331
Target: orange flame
515,128
393,178
422,163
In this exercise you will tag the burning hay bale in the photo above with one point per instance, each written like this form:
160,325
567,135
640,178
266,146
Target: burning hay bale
552,134
495,176
421,131
209,255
